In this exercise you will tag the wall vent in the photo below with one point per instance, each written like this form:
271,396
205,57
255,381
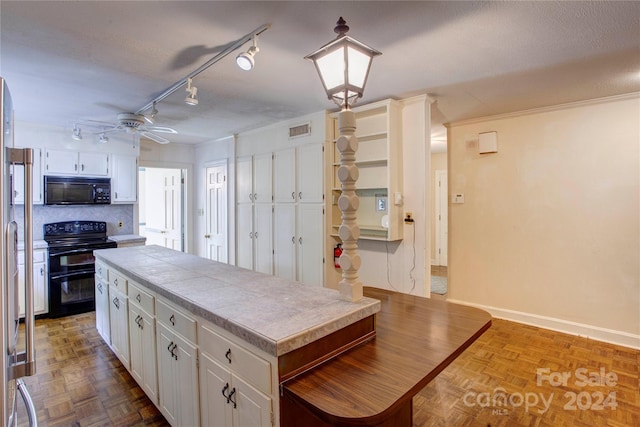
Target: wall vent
300,130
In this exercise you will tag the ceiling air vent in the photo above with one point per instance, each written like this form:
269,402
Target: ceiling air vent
300,130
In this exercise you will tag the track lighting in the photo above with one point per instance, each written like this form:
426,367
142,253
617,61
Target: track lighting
192,97
77,133
103,139
151,118
245,60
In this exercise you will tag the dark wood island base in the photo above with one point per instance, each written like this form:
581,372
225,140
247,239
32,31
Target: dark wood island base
374,383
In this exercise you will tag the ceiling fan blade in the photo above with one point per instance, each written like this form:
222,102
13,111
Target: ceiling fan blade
154,137
160,129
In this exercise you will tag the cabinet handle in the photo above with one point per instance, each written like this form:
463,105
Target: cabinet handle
116,303
300,239
75,167
235,405
228,355
172,319
224,389
255,196
293,239
100,287
293,195
170,349
42,271
175,355
255,234
251,196
138,298
206,236
141,323
82,167
251,234
300,195
115,282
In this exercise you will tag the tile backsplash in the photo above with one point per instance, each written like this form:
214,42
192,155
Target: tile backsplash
111,214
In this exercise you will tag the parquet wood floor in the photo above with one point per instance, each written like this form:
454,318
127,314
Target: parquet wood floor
81,383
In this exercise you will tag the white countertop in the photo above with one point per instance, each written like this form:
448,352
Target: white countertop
271,313
37,244
127,238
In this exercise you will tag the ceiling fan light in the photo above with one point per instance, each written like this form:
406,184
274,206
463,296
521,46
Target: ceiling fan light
103,139
77,133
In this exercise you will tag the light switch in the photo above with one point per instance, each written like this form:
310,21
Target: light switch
458,198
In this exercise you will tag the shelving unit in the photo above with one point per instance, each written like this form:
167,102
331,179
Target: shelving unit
379,161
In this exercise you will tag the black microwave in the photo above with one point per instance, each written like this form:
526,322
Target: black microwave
66,190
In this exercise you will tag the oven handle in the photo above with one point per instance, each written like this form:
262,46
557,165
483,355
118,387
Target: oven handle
73,251
75,273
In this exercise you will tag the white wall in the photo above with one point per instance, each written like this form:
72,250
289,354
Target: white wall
404,266
549,233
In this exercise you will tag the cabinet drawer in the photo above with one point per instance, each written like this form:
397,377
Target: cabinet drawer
176,321
38,256
141,298
101,271
255,370
117,281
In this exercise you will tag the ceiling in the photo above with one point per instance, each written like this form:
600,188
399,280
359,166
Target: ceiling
73,61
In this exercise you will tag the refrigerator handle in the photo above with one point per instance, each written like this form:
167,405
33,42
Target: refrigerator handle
24,156
28,403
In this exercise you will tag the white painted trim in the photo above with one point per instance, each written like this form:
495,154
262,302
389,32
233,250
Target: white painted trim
568,327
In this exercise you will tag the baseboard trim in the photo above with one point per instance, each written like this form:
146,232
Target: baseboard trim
611,336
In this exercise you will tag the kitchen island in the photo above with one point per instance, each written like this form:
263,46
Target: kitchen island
258,350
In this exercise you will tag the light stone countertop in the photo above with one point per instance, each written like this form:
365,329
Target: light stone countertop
271,313
128,238
37,244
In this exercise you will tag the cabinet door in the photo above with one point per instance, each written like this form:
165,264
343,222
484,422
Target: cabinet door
39,275
61,162
18,180
135,341
252,407
244,179
93,164
124,178
167,389
284,176
244,241
215,385
262,178
186,382
142,336
119,325
309,173
310,223
284,241
263,238
102,310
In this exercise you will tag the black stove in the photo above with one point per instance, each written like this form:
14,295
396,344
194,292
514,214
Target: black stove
72,264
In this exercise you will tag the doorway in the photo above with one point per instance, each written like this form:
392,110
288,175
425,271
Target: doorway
216,224
161,206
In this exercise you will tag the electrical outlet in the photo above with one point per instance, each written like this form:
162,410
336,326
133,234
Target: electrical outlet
120,224
408,217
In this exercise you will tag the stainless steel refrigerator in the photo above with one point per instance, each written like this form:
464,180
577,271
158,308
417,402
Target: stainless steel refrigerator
18,359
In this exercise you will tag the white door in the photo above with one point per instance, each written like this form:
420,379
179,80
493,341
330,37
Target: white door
442,227
216,214
310,236
163,207
284,240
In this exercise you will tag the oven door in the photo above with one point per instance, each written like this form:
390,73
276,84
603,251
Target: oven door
67,261
71,293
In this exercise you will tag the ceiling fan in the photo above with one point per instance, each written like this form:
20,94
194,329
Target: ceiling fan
133,123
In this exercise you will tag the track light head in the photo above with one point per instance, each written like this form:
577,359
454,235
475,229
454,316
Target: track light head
245,60
151,118
77,133
192,97
103,139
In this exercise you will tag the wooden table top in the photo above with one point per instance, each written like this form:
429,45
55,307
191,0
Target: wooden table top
416,338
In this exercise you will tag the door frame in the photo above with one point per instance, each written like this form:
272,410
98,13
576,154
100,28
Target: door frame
187,196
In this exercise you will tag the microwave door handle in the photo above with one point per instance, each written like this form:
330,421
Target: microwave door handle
24,156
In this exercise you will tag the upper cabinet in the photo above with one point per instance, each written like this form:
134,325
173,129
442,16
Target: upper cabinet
124,178
63,162
297,174
379,161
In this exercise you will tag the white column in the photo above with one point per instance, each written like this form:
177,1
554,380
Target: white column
347,144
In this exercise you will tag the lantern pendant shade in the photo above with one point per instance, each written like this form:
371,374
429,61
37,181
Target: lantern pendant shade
343,65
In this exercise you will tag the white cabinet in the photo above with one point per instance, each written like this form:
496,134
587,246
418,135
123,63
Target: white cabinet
142,339
235,384
177,356
254,213
102,302
298,235
63,162
18,180
119,317
39,282
379,161
124,178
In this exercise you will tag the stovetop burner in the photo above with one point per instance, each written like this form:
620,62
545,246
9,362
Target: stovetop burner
75,233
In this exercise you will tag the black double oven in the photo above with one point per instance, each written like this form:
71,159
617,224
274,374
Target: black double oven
72,264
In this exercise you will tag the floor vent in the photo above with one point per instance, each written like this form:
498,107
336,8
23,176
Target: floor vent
300,130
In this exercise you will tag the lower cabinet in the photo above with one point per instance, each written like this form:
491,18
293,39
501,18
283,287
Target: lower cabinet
177,367
142,340
39,275
119,325
102,310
